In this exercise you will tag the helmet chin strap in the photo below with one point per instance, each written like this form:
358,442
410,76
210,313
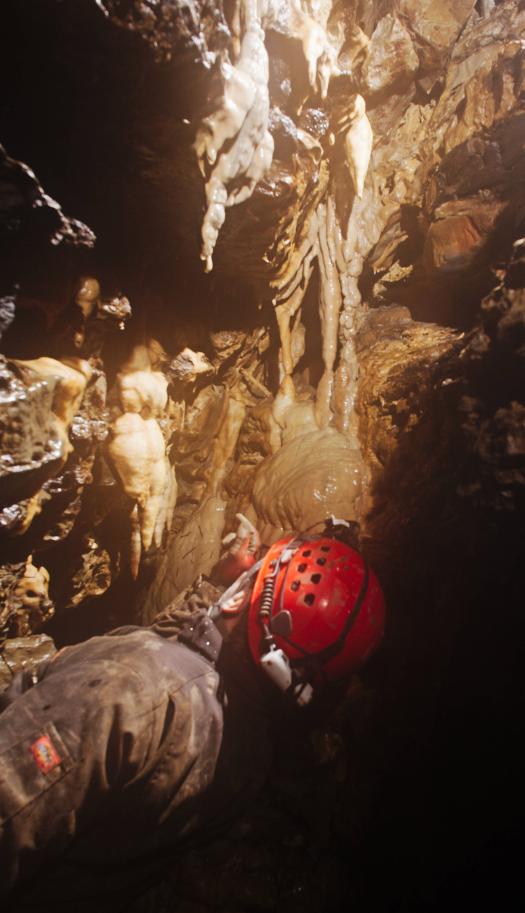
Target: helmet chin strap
274,660
241,583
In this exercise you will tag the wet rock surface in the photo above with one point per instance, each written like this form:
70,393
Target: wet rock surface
24,602
311,477
365,326
31,446
23,654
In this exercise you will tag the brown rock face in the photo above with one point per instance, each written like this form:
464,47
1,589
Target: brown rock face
398,362
436,24
382,71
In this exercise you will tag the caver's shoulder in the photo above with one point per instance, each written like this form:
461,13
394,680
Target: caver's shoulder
139,661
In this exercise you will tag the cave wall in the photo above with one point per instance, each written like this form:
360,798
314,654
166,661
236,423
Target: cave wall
357,348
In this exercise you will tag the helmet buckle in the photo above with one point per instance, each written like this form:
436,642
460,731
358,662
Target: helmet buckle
287,554
277,667
281,623
303,694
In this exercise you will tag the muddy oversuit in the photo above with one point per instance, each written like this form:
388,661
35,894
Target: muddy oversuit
129,746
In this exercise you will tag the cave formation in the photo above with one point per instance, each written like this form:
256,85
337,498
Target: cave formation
269,257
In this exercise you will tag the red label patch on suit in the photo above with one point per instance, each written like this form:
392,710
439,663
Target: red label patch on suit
45,754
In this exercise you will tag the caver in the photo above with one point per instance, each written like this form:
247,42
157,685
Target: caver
132,744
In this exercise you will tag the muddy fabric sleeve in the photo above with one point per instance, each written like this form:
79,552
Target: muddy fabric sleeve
65,745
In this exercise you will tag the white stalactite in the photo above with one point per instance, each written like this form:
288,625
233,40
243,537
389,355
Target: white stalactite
242,122
138,450
320,55
358,144
330,300
234,147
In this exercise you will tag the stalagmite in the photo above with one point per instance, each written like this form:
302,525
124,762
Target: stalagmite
352,256
290,289
330,300
358,144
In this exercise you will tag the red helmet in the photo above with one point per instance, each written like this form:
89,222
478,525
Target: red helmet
319,602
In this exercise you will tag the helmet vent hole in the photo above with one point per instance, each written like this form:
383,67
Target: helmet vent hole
315,578
301,568
321,561
325,548
309,599
295,586
307,553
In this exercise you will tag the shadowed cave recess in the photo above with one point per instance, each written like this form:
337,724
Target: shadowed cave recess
269,257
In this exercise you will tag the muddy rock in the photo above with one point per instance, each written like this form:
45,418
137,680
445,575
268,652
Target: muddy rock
391,57
193,550
23,654
7,312
24,598
31,445
29,215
